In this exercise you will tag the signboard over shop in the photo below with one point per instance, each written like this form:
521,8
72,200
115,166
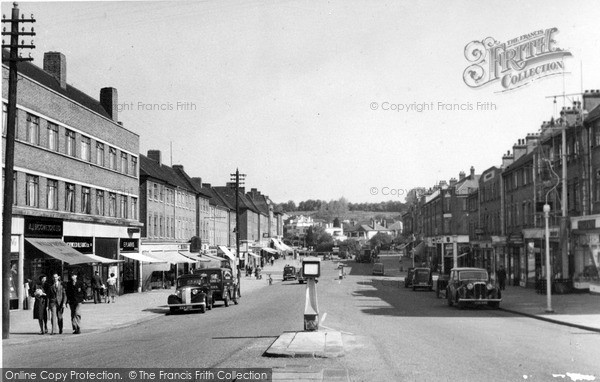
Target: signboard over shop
129,245
80,243
43,227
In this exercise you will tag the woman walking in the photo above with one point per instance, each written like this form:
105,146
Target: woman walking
40,307
112,288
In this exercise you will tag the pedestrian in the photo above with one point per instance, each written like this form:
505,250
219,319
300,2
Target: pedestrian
97,287
75,297
40,307
57,298
272,260
112,288
502,277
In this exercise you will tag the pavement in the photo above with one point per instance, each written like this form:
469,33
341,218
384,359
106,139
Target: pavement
576,310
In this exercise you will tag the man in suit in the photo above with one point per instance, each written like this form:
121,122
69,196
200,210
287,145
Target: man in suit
57,298
75,296
97,287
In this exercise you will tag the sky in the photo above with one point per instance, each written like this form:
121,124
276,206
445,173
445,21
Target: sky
298,95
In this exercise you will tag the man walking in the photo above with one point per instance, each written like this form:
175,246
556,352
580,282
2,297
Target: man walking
502,277
97,287
75,296
57,299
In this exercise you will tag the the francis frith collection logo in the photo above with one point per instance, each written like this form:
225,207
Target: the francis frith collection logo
516,62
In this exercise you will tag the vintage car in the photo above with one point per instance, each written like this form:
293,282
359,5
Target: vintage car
422,279
409,277
378,269
289,272
471,286
192,293
221,281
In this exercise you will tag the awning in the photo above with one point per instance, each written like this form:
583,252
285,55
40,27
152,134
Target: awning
227,252
103,260
172,257
252,254
60,250
277,244
270,250
142,258
193,256
213,257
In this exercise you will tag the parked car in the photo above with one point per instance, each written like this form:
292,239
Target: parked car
221,284
471,286
192,292
422,279
409,277
378,269
289,272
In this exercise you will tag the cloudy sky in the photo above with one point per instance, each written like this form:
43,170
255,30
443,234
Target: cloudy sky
299,94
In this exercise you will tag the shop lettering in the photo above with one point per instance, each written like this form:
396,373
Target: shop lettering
586,224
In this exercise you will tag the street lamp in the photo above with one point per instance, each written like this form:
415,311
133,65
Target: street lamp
548,271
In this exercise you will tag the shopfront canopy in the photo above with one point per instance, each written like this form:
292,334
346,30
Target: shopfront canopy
254,255
59,250
102,260
270,250
227,253
194,256
172,257
142,258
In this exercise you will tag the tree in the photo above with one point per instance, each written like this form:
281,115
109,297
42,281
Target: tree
317,238
381,239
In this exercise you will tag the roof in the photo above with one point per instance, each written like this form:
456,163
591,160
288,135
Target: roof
215,199
37,74
519,162
593,115
194,184
152,169
228,194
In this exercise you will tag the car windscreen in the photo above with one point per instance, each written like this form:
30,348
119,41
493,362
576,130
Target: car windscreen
473,275
191,281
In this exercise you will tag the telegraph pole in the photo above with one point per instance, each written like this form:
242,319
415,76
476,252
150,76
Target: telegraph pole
239,179
9,161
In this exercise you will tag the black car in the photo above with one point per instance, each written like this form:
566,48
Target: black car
408,280
471,286
289,273
193,292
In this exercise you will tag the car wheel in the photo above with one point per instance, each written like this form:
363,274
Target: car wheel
449,298
226,299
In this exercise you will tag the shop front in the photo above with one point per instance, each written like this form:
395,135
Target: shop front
515,258
533,264
585,253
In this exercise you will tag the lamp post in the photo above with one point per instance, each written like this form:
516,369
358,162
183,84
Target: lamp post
548,270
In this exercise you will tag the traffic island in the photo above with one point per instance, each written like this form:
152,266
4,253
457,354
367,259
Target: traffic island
315,344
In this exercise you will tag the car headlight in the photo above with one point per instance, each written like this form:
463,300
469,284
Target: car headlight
470,286
489,286
178,293
194,291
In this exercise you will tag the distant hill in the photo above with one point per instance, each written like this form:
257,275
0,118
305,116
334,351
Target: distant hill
350,215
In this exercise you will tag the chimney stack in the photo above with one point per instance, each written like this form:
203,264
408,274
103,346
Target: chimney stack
461,175
507,159
531,141
178,167
472,172
519,149
55,63
109,99
453,182
206,185
591,99
154,155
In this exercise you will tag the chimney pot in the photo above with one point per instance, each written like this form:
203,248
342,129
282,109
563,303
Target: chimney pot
154,155
55,63
109,100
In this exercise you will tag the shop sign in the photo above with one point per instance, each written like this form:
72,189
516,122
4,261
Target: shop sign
80,243
43,227
586,224
129,245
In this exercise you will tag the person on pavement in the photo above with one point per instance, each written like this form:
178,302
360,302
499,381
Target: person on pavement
97,287
75,296
40,307
112,288
502,277
57,298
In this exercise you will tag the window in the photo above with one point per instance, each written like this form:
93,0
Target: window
4,117
124,165
99,202
70,144
112,158
155,225
14,202
162,227
69,197
112,204
33,129
86,203
52,136
33,187
123,207
100,154
134,166
52,194
155,191
133,208
86,149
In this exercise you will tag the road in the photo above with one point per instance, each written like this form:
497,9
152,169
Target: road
390,333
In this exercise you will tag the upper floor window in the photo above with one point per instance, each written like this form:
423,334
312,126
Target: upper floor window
112,204
52,194
52,136
70,142
33,188
123,207
69,197
86,203
99,202
124,165
4,117
100,154
33,129
134,213
134,166
112,158
86,148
